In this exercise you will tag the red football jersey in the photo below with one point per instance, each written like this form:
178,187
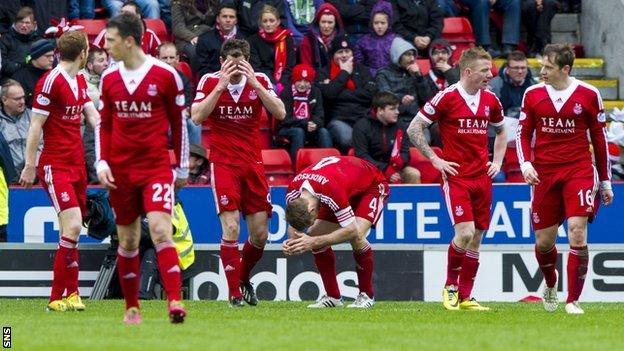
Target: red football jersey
149,42
137,110
335,181
560,120
235,121
61,99
464,121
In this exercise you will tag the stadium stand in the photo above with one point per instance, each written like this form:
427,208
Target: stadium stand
92,27
428,173
458,32
278,167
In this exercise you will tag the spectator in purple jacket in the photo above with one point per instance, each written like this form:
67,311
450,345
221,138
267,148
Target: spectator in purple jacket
373,49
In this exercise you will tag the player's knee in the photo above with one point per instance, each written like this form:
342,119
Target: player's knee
230,228
259,237
160,231
72,230
576,233
464,235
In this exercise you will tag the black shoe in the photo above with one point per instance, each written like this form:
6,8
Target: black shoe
249,294
237,302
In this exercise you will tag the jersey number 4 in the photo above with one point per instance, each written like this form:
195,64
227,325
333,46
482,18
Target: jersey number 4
325,161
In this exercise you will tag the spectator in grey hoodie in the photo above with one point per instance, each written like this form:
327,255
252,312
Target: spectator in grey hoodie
14,123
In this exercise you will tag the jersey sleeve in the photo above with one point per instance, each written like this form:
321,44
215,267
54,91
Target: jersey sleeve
206,84
597,131
432,111
43,96
104,126
266,83
497,118
338,201
86,99
526,126
176,112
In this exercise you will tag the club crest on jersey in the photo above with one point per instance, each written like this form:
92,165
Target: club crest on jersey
64,196
152,90
253,95
180,100
459,211
224,200
429,108
578,109
42,100
536,218
487,111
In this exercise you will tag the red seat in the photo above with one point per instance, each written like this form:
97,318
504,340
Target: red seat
428,173
277,166
306,157
158,26
351,152
458,32
92,27
424,65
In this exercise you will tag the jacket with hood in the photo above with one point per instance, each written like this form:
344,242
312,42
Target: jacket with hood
6,161
394,79
373,50
373,141
248,14
15,131
451,76
312,50
355,14
344,104
418,18
28,77
509,93
298,23
14,48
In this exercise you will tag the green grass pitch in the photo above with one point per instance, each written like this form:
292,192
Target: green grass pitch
212,325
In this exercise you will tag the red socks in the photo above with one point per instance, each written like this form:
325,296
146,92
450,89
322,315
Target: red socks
578,259
467,274
455,258
169,268
251,256
364,269
325,261
230,259
65,269
128,269
548,264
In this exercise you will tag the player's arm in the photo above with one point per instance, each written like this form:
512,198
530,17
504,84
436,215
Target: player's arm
302,242
91,115
415,131
204,105
500,141
103,131
270,100
598,137
175,106
524,135
37,120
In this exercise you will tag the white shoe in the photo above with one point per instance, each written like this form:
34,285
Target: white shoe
550,296
362,301
574,308
326,302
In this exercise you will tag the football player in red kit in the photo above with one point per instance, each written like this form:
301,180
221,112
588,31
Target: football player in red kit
464,111
561,112
231,102
142,102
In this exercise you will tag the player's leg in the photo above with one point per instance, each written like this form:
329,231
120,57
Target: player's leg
546,255
257,227
128,266
230,256
468,273
325,261
363,255
70,221
578,260
168,262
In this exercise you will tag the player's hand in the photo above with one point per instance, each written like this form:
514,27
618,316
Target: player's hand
443,66
180,183
299,245
228,68
395,177
246,69
347,65
105,177
606,196
493,169
311,126
530,176
27,178
445,167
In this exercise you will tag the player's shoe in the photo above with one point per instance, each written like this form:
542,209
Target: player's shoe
249,294
177,313
132,316
450,298
56,306
574,308
237,302
472,305
326,302
74,302
550,298
362,301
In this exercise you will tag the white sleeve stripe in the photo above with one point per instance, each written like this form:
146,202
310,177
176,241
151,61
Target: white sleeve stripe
343,211
40,111
347,221
184,148
497,124
423,117
519,150
49,81
100,40
204,79
98,150
88,103
329,202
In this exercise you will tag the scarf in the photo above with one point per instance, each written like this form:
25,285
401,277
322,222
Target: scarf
335,71
439,80
396,162
224,36
279,39
301,105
